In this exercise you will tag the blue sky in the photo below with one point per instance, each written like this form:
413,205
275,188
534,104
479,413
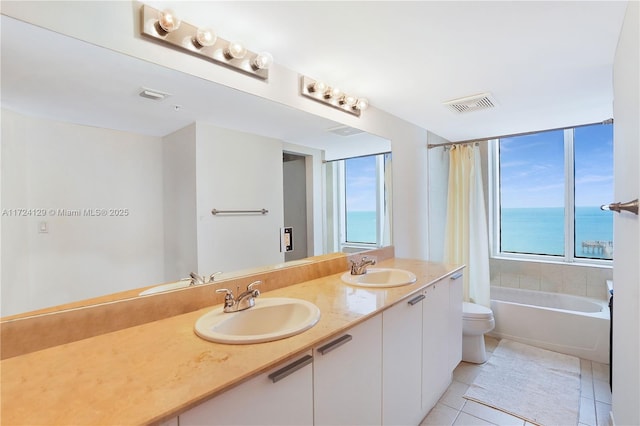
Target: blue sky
532,168
361,184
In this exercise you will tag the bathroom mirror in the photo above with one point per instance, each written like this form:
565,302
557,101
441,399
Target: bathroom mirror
92,171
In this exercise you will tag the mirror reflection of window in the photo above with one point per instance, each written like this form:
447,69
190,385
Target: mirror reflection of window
362,217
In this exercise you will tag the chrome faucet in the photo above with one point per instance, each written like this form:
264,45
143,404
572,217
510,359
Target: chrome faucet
360,267
201,279
245,300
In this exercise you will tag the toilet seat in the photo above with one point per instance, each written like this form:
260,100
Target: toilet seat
473,311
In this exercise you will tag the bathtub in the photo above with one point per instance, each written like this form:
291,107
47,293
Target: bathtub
562,323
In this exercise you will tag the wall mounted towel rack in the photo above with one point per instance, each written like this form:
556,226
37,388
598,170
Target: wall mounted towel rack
261,211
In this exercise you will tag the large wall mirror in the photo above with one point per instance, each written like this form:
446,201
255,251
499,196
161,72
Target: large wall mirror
106,191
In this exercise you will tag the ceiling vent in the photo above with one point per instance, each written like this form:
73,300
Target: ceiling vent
471,103
153,94
345,131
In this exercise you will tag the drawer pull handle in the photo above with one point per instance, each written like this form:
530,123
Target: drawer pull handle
456,275
416,299
335,344
276,376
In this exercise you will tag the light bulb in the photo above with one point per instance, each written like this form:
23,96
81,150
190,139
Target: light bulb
205,37
332,93
362,104
168,20
317,87
262,61
235,51
347,100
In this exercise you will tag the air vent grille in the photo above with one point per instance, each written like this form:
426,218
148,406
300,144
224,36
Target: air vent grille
471,103
345,130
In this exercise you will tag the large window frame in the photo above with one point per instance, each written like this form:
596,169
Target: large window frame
337,209
569,206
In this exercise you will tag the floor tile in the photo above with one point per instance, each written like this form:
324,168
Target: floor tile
600,371
466,372
490,343
602,413
453,396
440,415
587,412
491,415
453,409
465,419
602,391
585,369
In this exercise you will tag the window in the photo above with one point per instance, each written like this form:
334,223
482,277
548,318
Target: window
358,202
548,187
361,199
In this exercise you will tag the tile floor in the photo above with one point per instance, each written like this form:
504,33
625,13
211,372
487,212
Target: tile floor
453,409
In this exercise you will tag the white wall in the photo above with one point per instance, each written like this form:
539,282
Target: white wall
237,171
50,166
626,270
179,201
122,19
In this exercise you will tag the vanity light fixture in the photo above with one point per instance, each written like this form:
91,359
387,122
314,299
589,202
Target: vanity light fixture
332,96
165,26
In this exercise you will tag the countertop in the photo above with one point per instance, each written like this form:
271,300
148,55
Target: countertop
155,371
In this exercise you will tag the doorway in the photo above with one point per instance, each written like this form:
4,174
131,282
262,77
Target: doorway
294,171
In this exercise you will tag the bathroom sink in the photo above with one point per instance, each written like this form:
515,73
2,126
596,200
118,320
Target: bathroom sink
270,319
380,277
165,287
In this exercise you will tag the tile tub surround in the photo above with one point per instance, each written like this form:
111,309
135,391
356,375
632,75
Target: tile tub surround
453,409
164,369
578,280
21,334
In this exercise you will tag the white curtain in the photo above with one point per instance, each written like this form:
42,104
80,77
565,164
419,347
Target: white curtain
466,237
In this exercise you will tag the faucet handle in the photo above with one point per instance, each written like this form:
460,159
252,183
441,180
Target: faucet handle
256,292
213,276
228,297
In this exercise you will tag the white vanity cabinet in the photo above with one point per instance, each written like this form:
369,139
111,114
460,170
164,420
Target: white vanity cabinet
436,371
347,376
282,396
402,362
454,337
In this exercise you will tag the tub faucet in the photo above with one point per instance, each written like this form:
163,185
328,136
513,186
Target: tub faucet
201,279
360,267
245,300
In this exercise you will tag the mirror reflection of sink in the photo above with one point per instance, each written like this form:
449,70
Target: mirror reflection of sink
270,319
380,277
165,287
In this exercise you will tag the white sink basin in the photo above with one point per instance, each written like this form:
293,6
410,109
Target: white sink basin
270,319
380,277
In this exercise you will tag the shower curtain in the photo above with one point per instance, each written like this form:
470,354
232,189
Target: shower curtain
466,237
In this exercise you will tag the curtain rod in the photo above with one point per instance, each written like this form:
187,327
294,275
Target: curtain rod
432,145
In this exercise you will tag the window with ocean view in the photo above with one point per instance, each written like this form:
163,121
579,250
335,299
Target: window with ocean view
361,184
549,186
358,202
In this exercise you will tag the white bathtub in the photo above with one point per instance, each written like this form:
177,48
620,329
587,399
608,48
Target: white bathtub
562,323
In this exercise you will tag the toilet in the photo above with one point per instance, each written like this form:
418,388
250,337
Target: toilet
476,321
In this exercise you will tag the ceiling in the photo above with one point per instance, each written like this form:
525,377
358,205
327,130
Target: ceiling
546,65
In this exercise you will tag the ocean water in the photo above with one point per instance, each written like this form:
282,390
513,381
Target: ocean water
361,226
541,231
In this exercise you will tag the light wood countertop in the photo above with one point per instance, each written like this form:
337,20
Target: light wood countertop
155,371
